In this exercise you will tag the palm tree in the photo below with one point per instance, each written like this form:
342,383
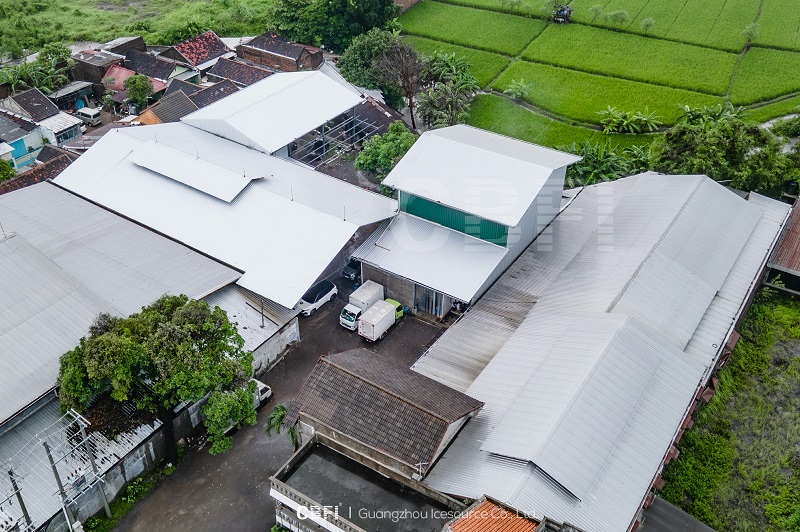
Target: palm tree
275,424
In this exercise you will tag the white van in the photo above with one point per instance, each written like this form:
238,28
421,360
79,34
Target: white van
89,116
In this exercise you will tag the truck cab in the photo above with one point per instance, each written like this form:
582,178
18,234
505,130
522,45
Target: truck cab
349,317
398,308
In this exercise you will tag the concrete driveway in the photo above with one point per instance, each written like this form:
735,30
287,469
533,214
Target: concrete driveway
231,491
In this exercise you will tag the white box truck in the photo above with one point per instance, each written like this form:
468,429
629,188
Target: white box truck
360,300
378,318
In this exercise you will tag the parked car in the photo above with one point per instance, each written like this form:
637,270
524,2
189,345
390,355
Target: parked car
89,116
352,271
315,297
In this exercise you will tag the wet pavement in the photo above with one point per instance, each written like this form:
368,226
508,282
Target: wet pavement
231,491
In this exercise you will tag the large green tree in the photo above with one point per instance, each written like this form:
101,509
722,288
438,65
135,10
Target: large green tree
6,170
382,152
451,87
139,88
173,351
717,142
330,23
357,63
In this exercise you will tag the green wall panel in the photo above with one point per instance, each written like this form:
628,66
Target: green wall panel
454,219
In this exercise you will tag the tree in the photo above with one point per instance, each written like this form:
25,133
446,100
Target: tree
401,65
357,63
596,11
331,23
647,25
443,67
519,89
43,74
751,32
620,17
173,351
6,170
275,424
381,152
720,144
604,162
139,88
55,53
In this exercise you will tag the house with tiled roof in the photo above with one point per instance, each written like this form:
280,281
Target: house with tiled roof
150,65
214,93
274,52
490,515
57,126
201,51
383,410
184,86
41,172
19,139
170,108
240,73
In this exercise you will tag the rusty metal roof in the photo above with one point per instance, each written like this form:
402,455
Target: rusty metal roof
786,256
488,516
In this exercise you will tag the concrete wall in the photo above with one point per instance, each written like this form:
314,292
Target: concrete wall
141,460
270,352
397,288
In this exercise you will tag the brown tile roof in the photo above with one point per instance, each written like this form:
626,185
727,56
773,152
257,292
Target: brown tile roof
786,256
184,86
272,42
487,516
50,152
382,404
213,93
149,65
202,48
173,107
37,174
238,72
35,104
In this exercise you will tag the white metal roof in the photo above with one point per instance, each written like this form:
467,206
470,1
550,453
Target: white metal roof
69,261
477,172
60,122
272,113
434,256
282,230
190,170
584,396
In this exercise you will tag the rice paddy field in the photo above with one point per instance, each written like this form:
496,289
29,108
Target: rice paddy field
636,55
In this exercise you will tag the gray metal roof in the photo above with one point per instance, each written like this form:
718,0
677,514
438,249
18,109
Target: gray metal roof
477,172
68,261
282,230
584,396
432,255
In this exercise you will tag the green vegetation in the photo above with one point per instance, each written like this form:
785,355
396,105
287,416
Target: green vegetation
582,96
174,350
381,152
765,74
475,28
486,66
29,24
774,110
633,57
139,88
779,23
602,161
739,466
503,116
513,7
6,170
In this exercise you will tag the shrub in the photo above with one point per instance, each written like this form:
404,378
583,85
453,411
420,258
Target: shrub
615,121
518,89
381,152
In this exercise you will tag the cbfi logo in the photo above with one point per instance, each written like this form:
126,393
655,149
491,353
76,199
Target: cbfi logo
305,512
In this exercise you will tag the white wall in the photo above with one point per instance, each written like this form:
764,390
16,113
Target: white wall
267,354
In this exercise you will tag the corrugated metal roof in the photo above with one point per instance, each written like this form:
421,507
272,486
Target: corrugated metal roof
245,311
585,396
79,260
476,171
60,122
787,256
283,230
434,256
270,114
190,170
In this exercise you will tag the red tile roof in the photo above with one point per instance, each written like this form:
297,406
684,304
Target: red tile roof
490,517
120,74
37,174
202,48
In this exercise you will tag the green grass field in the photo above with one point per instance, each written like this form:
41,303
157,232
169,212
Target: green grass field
633,57
485,65
500,115
692,54
580,96
465,26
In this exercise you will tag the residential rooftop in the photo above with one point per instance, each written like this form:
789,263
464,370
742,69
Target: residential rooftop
362,496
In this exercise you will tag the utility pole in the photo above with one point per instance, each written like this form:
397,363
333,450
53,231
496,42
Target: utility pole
94,469
19,497
64,500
